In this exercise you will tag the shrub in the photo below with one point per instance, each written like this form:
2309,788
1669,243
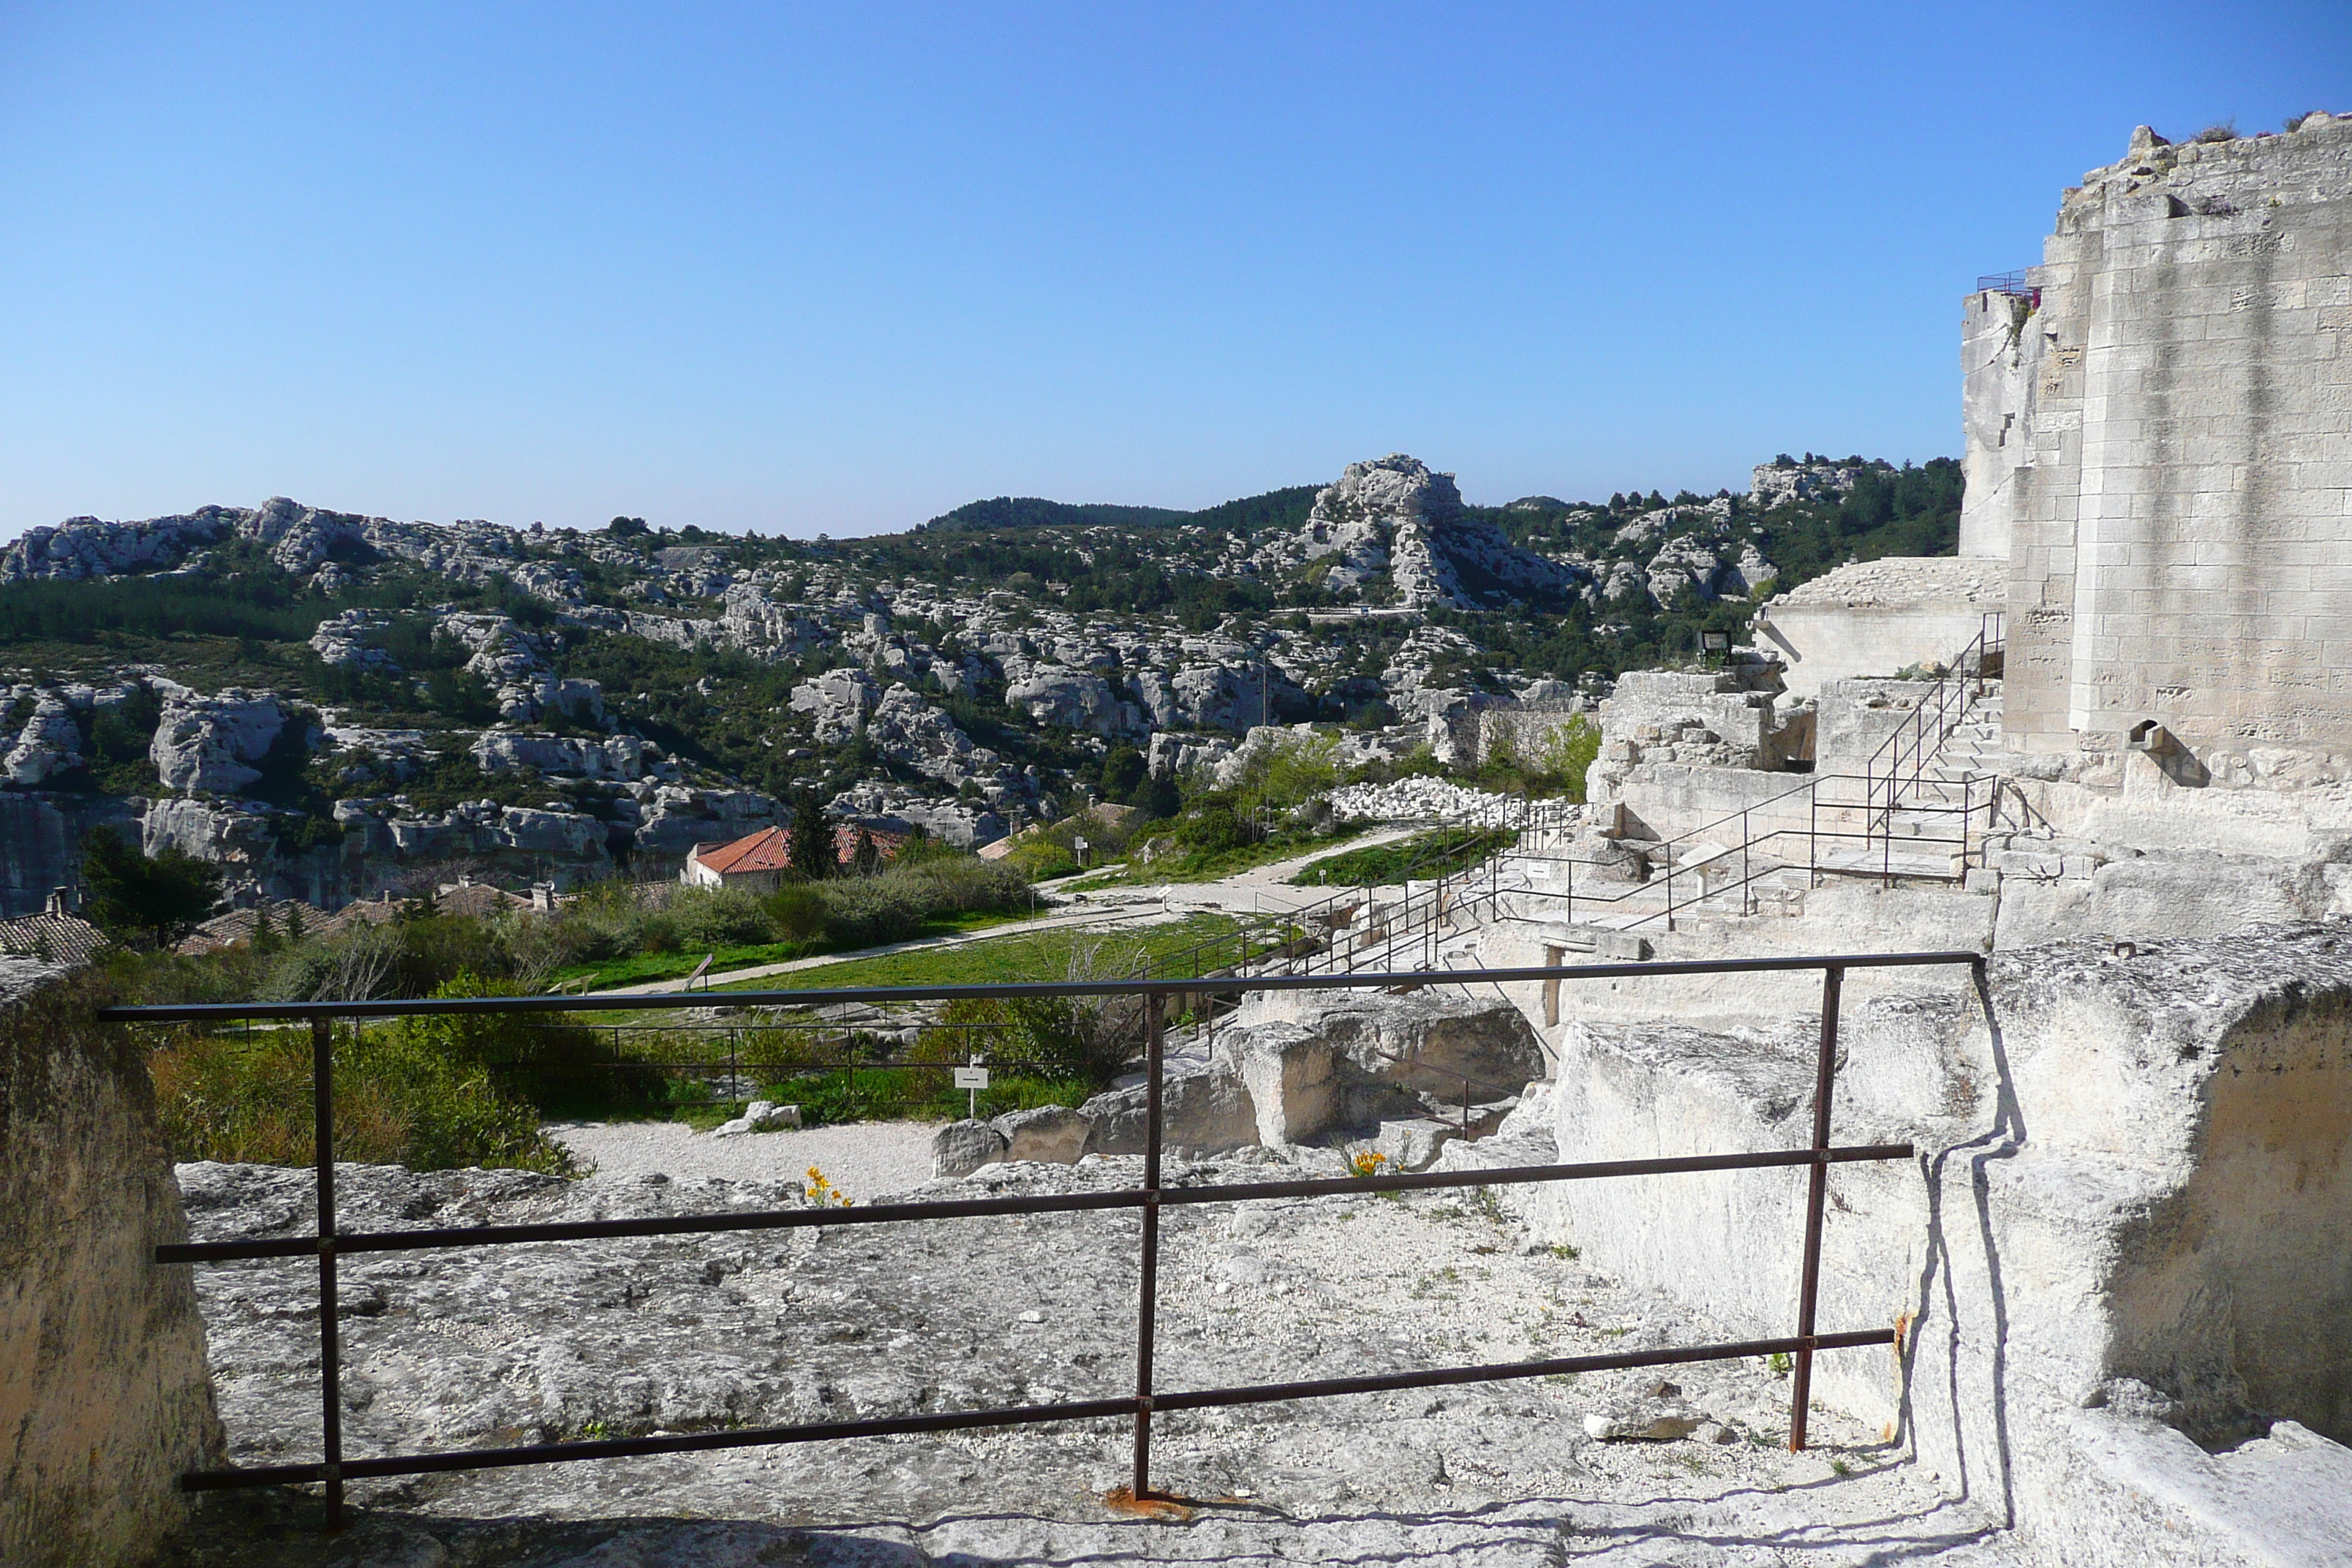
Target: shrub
720,917
1212,827
798,913
546,1061
397,1102
867,911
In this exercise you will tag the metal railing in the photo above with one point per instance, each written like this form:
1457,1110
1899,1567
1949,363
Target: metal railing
1898,771
1736,853
330,1243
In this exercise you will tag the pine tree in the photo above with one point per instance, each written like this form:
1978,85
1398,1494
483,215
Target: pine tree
867,858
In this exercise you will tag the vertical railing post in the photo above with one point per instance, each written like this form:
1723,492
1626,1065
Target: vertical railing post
1146,1302
1800,1392
1747,893
330,1377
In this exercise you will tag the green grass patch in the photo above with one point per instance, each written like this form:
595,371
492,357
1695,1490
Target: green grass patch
645,967
1177,866
1424,855
1029,955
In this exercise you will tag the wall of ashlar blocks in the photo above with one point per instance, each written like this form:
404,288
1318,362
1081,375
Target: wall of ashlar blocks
2163,449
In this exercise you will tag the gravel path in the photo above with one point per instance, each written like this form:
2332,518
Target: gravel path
863,1159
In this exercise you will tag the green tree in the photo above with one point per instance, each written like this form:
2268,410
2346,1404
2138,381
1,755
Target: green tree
811,845
867,858
131,894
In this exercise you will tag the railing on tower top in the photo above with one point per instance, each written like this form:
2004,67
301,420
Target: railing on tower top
2017,283
330,1243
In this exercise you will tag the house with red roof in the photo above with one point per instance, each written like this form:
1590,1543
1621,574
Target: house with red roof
762,861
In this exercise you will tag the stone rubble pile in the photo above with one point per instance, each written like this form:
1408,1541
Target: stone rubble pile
1421,800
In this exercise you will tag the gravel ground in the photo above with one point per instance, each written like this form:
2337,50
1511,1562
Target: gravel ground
862,1158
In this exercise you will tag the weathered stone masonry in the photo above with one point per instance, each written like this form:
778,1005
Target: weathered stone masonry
2162,446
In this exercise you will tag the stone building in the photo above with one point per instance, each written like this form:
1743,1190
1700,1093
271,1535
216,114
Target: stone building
2159,443
2158,513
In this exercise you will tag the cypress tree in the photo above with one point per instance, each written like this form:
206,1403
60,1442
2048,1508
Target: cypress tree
811,845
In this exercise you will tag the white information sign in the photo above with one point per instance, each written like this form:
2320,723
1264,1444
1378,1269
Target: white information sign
969,1077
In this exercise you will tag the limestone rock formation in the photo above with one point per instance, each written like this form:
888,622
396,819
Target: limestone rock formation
1775,484
837,701
1394,514
210,744
618,757
910,730
347,637
49,744
1073,700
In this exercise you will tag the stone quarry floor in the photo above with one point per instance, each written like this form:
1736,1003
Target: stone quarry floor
859,1158
453,1349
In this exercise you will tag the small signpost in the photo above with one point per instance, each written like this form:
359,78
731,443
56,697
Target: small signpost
975,1078
1078,846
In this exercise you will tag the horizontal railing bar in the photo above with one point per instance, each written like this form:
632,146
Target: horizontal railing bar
1521,1175
201,1010
1380,1383
1009,1416
349,1242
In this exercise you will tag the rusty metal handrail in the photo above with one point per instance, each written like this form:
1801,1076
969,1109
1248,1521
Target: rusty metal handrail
329,1242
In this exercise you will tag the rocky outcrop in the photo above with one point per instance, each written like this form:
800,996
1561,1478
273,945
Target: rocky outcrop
1394,515
325,546
1315,1061
89,547
675,818
838,703
618,757
1072,699
759,625
910,730
209,744
1777,484
1179,756
515,664
49,744
347,638
1225,696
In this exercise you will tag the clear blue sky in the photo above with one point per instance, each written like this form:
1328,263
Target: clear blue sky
839,268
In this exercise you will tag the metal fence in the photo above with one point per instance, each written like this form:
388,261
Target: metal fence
330,1243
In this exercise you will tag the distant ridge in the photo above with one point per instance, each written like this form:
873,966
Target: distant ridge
1283,509
1033,511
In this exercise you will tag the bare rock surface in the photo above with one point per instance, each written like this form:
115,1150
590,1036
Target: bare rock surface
457,1348
861,1158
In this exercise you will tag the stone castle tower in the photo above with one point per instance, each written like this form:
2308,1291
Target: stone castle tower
2160,442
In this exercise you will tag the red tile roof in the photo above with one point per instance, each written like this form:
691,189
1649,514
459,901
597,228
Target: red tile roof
770,849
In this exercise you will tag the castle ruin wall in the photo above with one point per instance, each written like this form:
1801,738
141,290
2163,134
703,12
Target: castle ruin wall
2127,1231
2168,444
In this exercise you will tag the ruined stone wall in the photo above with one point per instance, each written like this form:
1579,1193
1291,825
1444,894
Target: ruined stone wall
1532,731
1875,617
2169,444
104,1396
2126,1224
